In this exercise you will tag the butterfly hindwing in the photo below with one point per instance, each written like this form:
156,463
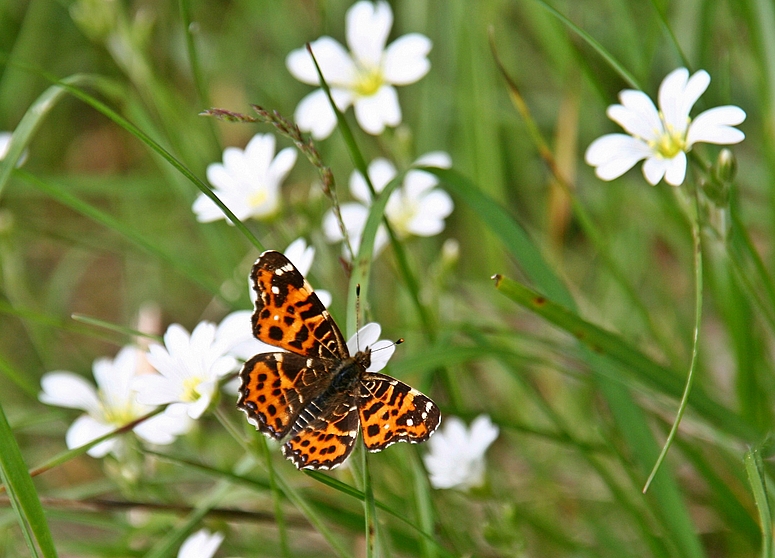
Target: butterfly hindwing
328,439
289,314
391,411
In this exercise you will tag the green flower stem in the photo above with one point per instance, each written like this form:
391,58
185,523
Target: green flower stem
697,243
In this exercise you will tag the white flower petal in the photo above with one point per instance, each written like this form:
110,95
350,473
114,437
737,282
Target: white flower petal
281,165
219,177
637,115
654,169
615,154
205,209
335,63
368,26
406,59
677,96
438,159
86,429
257,155
324,296
381,171
315,115
201,544
154,389
381,351
365,337
300,255
675,170
65,389
373,113
163,428
483,434
715,126
354,216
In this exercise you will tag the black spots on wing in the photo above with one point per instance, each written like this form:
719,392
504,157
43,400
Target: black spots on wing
261,399
367,412
264,314
400,390
277,383
261,377
289,320
252,406
271,409
310,312
372,430
304,443
382,388
277,392
278,424
275,333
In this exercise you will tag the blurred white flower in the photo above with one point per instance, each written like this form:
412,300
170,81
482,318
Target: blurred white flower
110,406
363,77
456,457
247,182
662,137
201,544
415,208
381,349
5,145
189,369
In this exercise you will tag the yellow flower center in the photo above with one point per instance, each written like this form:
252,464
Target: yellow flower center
119,415
257,198
189,389
369,81
670,143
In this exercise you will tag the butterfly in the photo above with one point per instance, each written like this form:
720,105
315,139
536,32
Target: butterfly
316,395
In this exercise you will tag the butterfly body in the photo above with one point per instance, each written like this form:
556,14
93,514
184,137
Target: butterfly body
315,396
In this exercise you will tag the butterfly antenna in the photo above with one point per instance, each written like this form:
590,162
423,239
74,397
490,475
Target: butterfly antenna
357,316
396,342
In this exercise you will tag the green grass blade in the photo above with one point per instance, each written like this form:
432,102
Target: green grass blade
754,467
64,197
606,343
17,480
31,121
591,41
361,266
503,225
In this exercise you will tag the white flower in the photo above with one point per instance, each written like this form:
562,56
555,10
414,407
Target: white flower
364,77
248,182
456,458
662,137
109,407
5,145
416,208
189,369
381,349
201,544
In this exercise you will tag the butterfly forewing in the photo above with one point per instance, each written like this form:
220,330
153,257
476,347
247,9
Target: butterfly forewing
289,314
391,411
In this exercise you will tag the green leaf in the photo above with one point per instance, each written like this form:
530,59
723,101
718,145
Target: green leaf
754,466
24,497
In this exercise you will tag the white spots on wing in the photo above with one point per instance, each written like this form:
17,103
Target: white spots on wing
352,433
276,317
409,422
310,362
428,406
424,415
275,289
278,357
387,426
